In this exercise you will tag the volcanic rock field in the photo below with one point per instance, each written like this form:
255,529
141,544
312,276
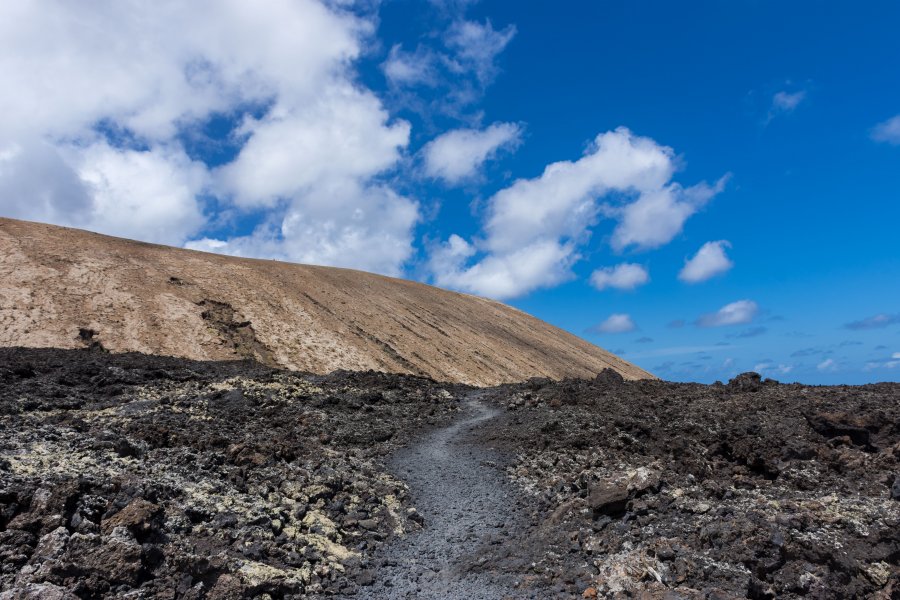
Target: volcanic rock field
138,476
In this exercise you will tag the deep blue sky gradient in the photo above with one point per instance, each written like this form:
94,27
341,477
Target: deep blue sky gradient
811,208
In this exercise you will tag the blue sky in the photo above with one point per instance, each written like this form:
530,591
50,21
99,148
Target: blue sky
703,189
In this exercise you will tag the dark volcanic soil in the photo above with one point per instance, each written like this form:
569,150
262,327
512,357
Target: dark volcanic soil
746,490
130,476
148,477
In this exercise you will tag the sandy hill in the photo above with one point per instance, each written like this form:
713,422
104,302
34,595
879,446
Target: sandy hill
68,288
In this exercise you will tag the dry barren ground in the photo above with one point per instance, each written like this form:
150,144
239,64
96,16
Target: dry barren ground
66,288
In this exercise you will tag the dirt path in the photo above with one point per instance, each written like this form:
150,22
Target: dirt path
467,505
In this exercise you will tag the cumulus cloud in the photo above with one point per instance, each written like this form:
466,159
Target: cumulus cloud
879,321
556,210
542,264
887,131
459,154
347,224
342,134
616,323
709,261
93,136
657,216
735,313
626,276
151,195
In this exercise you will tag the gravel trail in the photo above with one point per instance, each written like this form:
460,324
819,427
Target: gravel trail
470,512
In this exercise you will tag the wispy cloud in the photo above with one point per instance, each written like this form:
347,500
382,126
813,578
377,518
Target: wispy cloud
806,352
679,351
750,332
887,131
879,321
770,367
827,365
785,102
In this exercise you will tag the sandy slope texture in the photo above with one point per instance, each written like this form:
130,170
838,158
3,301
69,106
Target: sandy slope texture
68,288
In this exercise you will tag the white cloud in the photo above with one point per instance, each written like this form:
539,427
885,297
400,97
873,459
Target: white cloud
709,261
134,65
656,217
616,323
151,195
410,68
541,264
561,202
557,210
735,313
781,369
345,225
476,46
37,183
455,66
459,154
896,355
827,365
787,101
887,131
91,136
146,194
891,364
625,276
342,134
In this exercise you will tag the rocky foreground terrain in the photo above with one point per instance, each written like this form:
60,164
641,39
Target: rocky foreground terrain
135,476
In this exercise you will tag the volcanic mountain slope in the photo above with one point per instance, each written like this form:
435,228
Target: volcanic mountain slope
67,288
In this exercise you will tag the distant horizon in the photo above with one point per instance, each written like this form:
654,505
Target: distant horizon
703,190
